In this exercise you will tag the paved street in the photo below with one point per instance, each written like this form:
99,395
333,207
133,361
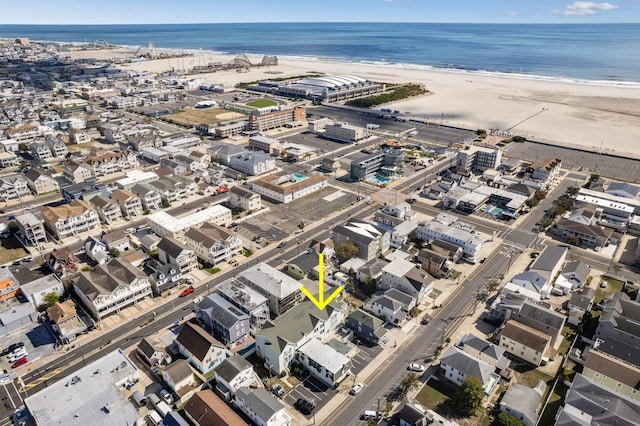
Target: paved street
419,346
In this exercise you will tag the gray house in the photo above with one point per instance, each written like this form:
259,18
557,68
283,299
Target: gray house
371,240
366,326
221,318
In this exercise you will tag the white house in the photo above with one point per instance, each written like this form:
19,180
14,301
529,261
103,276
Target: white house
36,290
457,365
323,362
234,373
407,277
213,243
200,348
261,407
447,228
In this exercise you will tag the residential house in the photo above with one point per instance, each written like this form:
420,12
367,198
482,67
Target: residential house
366,326
40,182
407,277
130,204
279,340
65,321
530,284
180,379
36,290
448,228
116,239
8,159
163,277
457,365
70,219
172,251
525,342
623,189
246,299
57,147
212,243
234,373
618,375
579,304
282,291
13,187
305,265
452,251
205,409
244,199
150,198
486,351
202,157
261,407
61,261
253,163
191,164
542,319
103,162
31,229
372,270
545,171
418,416
149,353
393,306
111,287
108,210
324,362
588,235
76,172
40,151
177,168
96,250
324,247
620,320
591,403
573,276
371,240
200,348
224,153
437,265
550,261
522,402
220,317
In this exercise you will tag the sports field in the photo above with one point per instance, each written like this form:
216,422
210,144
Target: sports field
193,116
262,103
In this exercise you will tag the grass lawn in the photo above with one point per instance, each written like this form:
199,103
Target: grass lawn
613,286
262,103
212,270
531,377
11,250
430,397
555,401
195,116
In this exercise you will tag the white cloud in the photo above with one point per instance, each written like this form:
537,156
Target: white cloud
583,8
511,13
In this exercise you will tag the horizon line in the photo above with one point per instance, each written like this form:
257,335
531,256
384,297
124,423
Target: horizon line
323,22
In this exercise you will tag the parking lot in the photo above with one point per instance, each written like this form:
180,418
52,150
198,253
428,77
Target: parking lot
613,167
313,390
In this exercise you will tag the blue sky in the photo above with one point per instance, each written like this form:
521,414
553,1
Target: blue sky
204,11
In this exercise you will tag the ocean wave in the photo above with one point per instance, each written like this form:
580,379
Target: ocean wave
448,68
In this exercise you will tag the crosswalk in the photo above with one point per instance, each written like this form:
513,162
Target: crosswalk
48,375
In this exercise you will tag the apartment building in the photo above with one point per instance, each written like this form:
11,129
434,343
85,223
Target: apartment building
372,163
212,243
244,199
40,182
287,188
130,204
70,219
479,158
296,116
31,229
344,132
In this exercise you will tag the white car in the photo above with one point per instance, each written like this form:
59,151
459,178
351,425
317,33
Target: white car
356,389
168,398
190,280
416,367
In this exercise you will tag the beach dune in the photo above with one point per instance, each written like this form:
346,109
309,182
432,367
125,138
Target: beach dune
597,116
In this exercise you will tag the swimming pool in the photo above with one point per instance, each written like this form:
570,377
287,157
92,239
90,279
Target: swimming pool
297,176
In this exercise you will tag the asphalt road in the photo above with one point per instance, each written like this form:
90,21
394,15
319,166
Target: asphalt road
421,345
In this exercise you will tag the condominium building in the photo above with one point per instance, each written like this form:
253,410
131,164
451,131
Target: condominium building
253,163
373,162
475,157
344,132
167,226
287,188
31,229
213,243
296,116
135,177
41,182
70,219
244,199
130,204
447,228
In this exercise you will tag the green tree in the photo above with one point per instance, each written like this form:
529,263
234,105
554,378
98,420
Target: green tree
165,202
468,397
505,419
519,139
13,226
51,299
409,383
346,250
594,177
114,252
572,191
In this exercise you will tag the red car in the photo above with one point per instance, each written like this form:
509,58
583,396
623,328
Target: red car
222,189
19,362
187,291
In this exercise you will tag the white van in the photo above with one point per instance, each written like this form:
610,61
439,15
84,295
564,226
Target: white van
370,415
154,417
17,354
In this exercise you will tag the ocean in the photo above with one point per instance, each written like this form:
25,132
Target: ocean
602,53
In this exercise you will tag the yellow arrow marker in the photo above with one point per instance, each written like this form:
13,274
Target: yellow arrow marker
322,303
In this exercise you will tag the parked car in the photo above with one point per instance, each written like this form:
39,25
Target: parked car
304,406
20,361
168,398
282,244
190,280
12,347
416,367
425,320
187,291
356,389
277,390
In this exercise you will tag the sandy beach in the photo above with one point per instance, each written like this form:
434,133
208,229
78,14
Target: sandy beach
601,118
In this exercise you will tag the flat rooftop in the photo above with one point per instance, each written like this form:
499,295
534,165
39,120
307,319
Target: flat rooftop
90,396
